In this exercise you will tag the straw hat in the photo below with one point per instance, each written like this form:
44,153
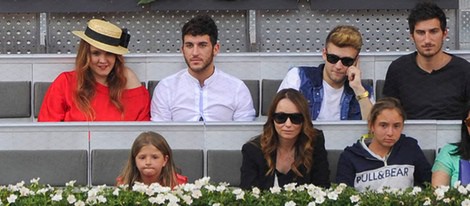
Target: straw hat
105,36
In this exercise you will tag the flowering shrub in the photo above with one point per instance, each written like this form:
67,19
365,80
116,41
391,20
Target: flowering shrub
202,192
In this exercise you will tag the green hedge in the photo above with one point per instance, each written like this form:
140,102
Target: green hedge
202,192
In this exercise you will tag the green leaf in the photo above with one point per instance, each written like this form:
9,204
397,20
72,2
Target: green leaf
142,2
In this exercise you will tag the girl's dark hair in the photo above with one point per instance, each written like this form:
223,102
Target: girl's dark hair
385,103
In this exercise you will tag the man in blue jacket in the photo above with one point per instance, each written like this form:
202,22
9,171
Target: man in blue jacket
334,90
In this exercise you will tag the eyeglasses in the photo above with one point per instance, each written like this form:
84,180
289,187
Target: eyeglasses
467,122
346,61
295,118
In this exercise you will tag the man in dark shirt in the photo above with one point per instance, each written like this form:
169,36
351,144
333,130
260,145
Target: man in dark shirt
430,83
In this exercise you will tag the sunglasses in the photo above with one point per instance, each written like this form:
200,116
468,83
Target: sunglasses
295,118
467,122
346,61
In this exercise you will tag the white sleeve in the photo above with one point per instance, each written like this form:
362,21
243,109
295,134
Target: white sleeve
160,107
245,110
292,80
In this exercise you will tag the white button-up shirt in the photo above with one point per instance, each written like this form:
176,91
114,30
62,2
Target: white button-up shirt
180,97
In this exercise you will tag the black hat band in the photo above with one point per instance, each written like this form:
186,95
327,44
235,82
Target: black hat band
123,41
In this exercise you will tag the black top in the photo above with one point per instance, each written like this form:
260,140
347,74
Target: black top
441,94
254,167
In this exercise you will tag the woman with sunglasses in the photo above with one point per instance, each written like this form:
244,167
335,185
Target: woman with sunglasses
289,148
452,164
385,157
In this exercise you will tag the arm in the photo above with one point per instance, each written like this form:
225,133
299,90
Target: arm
440,178
354,78
54,105
160,107
292,80
245,110
144,114
249,170
390,88
345,171
422,167
442,168
320,169
132,79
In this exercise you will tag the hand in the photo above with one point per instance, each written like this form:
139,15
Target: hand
354,78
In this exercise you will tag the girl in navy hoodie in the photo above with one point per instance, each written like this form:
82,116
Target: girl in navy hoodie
385,157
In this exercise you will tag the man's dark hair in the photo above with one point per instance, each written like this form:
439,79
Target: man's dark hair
201,25
426,11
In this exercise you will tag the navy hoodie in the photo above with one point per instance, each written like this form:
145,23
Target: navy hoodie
405,166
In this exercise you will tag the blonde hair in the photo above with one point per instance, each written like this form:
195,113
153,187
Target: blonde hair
345,36
86,84
130,174
304,145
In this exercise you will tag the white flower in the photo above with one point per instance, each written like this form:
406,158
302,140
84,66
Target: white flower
312,204
466,202
427,202
12,198
300,188
440,192
446,200
317,193
71,199
153,200
173,199
42,191
275,190
24,191
160,199
339,189
188,187
416,190
320,199
221,188
216,204
139,187
187,199
462,190
256,192
35,181
79,203
239,194
342,185
201,182
333,195
101,199
196,194
290,203
355,198
290,187
457,184
70,183
57,197
210,188
116,192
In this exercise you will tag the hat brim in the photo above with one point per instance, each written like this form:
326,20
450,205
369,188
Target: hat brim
113,49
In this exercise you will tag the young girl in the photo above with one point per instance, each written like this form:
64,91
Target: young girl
151,161
386,157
